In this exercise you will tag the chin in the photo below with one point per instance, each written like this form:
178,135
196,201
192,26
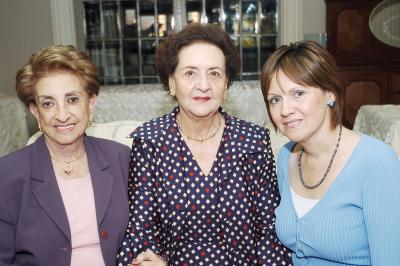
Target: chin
204,112
65,140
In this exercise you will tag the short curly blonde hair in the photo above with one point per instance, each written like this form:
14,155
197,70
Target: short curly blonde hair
56,59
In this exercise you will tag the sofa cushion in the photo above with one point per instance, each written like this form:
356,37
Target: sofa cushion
119,131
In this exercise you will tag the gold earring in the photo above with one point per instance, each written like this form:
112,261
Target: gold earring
40,128
90,121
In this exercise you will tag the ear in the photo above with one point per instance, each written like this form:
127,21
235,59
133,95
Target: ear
34,111
171,85
330,96
92,102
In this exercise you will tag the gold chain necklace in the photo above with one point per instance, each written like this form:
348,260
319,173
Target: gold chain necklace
204,139
68,168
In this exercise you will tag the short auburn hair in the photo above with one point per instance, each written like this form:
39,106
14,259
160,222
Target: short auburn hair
307,64
56,59
167,51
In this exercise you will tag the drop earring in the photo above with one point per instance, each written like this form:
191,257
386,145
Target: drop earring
226,93
171,93
331,103
90,122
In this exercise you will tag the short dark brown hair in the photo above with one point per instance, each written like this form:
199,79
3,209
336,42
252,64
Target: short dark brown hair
55,59
167,51
308,64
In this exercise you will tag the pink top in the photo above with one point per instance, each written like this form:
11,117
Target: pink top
78,198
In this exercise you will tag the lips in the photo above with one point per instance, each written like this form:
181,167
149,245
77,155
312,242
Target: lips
65,128
292,123
201,98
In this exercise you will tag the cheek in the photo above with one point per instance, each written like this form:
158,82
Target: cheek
183,87
219,88
274,112
45,116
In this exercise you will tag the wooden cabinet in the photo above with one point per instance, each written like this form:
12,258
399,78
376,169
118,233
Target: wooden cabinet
370,69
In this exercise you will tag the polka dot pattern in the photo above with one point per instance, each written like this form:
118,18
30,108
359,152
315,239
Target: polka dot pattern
224,218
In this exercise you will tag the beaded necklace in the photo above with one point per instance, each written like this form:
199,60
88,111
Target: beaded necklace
327,169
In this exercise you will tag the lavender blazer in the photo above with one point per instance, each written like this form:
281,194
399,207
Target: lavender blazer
34,228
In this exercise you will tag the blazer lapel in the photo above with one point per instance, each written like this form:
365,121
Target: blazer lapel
102,181
46,191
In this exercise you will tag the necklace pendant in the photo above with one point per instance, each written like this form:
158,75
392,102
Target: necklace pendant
68,168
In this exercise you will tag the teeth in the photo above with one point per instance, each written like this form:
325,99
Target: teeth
65,127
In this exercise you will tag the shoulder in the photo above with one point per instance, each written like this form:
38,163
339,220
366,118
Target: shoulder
15,170
247,130
286,150
374,149
283,158
17,159
154,128
107,144
108,148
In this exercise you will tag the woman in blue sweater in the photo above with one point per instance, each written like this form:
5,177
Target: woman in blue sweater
340,199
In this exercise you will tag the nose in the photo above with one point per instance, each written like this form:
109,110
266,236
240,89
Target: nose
203,83
63,113
286,107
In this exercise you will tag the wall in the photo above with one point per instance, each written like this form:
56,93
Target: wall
25,26
314,13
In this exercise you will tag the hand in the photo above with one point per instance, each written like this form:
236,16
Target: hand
148,258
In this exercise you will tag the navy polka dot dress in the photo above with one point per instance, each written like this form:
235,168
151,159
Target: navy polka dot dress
224,218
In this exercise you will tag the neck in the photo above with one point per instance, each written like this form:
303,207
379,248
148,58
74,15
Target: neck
199,128
318,146
65,153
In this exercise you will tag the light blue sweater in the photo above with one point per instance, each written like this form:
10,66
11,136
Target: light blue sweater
356,222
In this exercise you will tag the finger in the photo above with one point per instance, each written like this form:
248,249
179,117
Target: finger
134,263
146,255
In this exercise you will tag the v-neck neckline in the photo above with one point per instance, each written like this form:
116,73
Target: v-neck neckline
325,197
217,157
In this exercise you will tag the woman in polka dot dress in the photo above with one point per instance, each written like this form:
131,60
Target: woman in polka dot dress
202,185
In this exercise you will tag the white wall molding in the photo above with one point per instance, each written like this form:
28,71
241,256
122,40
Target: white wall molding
291,21
63,22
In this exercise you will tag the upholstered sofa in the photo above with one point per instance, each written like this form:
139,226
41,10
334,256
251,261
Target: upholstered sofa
120,109
13,125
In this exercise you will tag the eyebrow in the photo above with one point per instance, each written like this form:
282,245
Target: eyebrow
193,67
73,93
290,91
44,97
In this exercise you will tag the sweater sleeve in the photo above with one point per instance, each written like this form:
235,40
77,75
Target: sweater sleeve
381,208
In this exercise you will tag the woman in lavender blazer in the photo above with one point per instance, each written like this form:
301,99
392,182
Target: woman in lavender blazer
63,199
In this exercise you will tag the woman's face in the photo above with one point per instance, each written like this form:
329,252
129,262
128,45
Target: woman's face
199,81
298,111
63,108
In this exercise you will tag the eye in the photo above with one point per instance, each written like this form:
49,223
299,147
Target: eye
46,104
189,73
215,74
274,100
298,93
73,99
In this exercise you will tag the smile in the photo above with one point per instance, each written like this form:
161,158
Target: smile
292,124
65,128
